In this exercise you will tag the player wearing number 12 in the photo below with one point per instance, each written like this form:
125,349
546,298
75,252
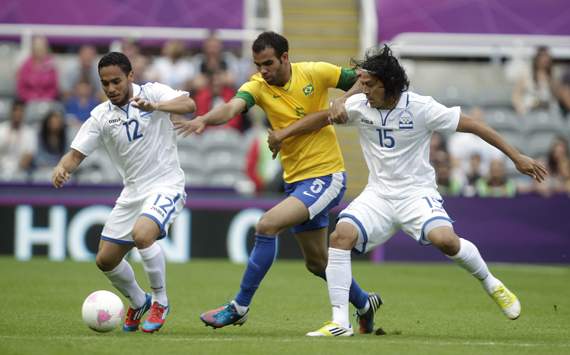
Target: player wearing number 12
134,128
312,163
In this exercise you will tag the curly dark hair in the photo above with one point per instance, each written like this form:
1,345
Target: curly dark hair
273,40
118,59
381,63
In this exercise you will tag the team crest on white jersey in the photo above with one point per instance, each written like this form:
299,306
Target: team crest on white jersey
406,120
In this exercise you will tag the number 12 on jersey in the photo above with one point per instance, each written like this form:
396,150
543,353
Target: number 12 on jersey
386,139
135,130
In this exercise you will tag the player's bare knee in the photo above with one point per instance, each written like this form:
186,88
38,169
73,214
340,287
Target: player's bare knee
105,263
343,239
143,240
445,240
266,226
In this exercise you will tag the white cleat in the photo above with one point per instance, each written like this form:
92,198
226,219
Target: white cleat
507,301
331,329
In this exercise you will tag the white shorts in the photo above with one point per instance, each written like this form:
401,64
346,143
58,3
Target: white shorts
162,206
377,219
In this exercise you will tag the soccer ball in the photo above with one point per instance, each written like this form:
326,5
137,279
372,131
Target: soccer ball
102,311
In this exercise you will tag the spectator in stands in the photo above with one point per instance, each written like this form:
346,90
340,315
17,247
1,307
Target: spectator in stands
565,176
83,70
140,65
537,89
437,144
127,46
216,92
558,153
78,107
564,99
214,59
558,162
496,184
37,77
472,175
172,68
447,185
264,171
463,146
52,140
17,145
139,61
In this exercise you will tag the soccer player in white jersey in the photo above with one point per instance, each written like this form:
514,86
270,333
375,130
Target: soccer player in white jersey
134,127
395,127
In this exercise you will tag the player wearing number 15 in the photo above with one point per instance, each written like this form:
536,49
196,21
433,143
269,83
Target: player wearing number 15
134,128
395,127
312,163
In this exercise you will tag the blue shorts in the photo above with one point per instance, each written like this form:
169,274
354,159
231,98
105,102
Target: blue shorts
319,195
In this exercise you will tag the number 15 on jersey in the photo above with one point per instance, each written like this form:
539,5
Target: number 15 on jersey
386,138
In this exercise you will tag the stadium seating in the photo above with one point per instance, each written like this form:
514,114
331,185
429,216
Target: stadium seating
36,110
5,108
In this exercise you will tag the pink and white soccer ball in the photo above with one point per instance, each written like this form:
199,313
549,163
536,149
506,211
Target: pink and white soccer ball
102,311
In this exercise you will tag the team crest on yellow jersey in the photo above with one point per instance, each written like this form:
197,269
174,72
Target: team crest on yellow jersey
308,90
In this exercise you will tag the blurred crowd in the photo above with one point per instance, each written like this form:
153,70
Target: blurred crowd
465,165
49,106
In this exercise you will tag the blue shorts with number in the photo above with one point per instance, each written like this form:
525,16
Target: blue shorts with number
319,195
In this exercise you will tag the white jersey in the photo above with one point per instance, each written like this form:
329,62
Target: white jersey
142,145
396,142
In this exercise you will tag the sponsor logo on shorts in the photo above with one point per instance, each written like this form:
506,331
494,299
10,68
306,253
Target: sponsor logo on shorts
160,212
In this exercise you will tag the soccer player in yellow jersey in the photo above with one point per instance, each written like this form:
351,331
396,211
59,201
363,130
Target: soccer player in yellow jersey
312,163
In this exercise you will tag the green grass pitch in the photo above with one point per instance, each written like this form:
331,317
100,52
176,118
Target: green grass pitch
429,309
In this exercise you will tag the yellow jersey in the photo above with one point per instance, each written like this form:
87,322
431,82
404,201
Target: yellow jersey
313,154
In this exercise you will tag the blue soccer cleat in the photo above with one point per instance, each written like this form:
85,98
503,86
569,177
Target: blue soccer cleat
224,315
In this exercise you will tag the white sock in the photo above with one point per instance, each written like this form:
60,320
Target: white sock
155,268
123,278
339,277
239,308
469,258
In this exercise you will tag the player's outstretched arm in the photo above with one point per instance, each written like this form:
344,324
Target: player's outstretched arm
180,105
66,166
218,115
310,123
524,164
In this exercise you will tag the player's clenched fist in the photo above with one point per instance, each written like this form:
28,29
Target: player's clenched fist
59,176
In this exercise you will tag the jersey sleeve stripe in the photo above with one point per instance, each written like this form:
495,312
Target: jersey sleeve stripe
347,79
247,97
